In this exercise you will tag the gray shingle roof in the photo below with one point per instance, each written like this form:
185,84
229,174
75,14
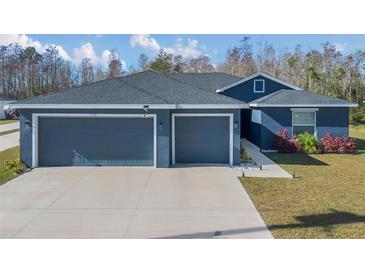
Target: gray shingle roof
290,97
141,88
206,81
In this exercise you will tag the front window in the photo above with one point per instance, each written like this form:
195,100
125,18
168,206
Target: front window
259,86
304,122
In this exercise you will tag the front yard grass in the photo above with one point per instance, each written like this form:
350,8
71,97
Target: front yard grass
9,154
327,200
4,122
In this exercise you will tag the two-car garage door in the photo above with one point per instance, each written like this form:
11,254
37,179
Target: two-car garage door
64,141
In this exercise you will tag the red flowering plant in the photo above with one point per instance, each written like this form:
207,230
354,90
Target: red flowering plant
331,144
283,143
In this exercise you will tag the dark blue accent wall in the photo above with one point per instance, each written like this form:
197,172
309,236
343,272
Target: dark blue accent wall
251,131
245,90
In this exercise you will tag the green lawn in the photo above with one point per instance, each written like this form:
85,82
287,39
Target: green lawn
8,132
326,201
4,122
9,154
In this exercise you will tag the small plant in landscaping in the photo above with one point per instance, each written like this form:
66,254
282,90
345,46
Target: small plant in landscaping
345,144
245,157
283,143
15,165
308,143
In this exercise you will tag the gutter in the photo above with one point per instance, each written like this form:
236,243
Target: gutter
303,105
126,106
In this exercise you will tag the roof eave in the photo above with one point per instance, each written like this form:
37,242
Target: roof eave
126,106
302,105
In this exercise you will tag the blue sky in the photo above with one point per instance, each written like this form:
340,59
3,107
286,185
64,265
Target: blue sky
97,47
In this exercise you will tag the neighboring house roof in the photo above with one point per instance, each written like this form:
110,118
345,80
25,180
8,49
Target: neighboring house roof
254,76
299,98
206,81
138,90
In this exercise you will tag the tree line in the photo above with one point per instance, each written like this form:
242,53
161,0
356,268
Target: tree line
25,72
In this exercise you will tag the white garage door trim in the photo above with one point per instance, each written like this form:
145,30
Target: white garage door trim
230,115
36,116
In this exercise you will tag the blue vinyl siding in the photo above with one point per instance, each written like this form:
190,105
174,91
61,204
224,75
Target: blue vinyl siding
245,90
328,120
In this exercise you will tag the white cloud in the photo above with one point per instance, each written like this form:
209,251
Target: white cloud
25,41
340,46
87,51
188,50
144,41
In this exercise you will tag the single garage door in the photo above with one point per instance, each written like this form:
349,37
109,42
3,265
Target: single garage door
200,139
95,141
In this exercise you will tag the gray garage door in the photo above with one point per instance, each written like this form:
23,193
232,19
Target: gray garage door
95,141
202,140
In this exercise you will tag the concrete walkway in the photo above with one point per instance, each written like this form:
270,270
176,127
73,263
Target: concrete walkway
9,126
269,168
127,202
9,140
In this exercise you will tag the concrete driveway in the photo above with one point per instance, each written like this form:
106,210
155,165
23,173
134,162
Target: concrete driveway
9,140
114,202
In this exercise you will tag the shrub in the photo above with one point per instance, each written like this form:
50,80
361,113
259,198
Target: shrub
285,144
15,165
244,155
357,115
345,144
308,143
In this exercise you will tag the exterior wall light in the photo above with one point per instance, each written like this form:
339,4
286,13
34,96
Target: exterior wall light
161,126
235,124
27,125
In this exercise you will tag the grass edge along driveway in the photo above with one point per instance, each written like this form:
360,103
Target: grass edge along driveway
4,122
9,154
326,201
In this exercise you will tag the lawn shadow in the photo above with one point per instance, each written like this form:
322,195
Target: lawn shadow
295,159
325,220
360,145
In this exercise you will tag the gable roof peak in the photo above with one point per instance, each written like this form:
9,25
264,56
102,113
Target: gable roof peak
260,73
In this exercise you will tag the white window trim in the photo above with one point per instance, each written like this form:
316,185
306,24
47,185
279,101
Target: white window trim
305,125
263,86
36,116
230,115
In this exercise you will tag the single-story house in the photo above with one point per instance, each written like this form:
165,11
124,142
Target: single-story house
4,101
161,120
